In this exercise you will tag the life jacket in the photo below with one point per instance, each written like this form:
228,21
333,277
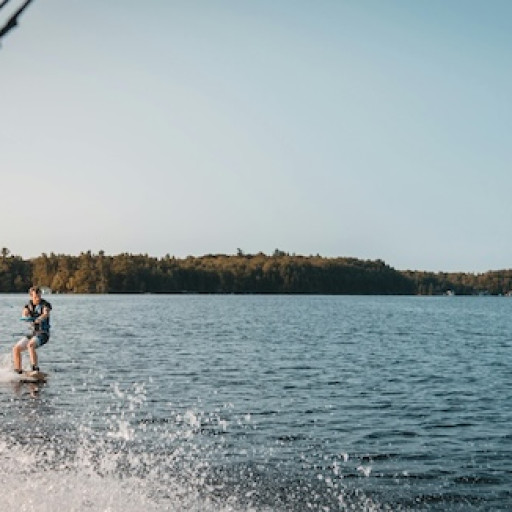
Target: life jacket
36,310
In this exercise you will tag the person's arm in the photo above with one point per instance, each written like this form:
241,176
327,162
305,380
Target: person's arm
45,314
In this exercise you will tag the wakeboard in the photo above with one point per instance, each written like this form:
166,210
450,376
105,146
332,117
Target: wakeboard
33,376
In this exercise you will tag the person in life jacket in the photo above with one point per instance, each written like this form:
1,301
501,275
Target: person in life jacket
38,312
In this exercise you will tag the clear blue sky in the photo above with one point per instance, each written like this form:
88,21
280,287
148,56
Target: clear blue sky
369,129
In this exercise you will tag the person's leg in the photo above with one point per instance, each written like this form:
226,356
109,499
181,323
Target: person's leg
16,356
16,353
37,341
32,345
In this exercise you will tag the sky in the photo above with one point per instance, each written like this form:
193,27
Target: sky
370,129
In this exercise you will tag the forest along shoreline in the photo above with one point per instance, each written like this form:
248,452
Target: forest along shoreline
279,273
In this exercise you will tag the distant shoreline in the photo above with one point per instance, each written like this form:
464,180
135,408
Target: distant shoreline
279,273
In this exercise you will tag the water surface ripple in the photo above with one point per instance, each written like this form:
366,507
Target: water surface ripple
282,403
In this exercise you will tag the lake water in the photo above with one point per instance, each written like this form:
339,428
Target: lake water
261,403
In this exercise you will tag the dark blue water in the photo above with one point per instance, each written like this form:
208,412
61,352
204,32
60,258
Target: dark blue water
282,403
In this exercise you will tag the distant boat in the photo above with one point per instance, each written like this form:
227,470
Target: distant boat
46,290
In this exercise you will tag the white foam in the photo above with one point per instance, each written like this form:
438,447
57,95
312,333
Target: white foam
49,492
8,376
85,484
5,360
7,373
6,370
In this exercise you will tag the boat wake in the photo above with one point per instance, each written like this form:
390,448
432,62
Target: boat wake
120,458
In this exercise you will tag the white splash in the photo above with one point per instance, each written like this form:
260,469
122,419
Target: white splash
365,470
8,376
192,419
123,431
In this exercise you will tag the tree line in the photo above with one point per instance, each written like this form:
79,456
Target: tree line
240,273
